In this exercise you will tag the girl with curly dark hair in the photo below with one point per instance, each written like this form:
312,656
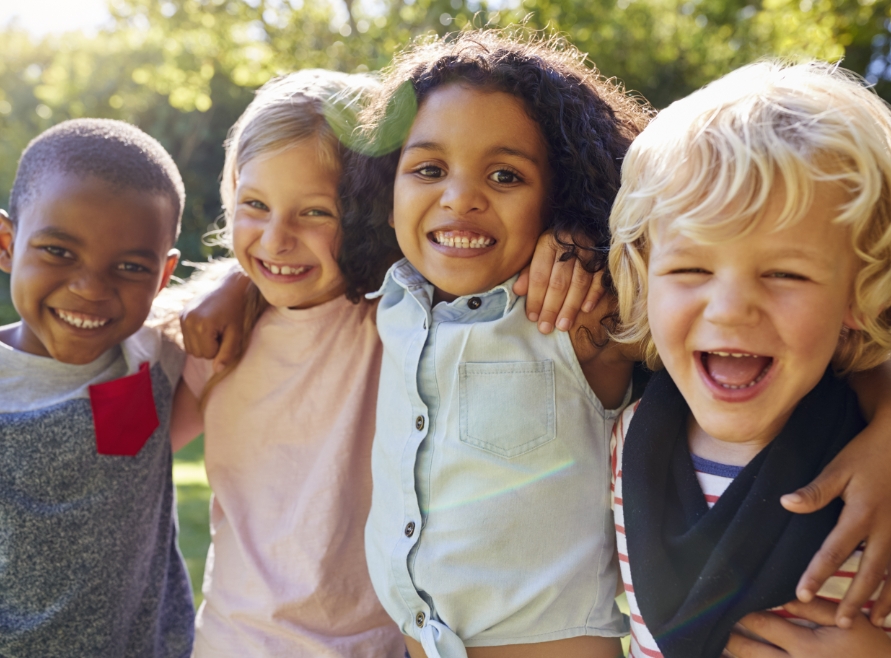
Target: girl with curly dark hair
490,524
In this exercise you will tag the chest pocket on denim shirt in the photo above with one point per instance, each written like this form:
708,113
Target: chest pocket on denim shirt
507,408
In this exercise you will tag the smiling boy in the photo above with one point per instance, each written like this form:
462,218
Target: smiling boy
752,254
90,565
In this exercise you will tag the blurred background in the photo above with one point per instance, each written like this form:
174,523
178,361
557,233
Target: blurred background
183,71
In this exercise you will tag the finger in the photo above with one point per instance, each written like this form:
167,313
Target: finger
575,296
521,285
743,647
540,274
228,348
851,529
595,293
558,287
882,607
774,629
819,611
870,573
827,486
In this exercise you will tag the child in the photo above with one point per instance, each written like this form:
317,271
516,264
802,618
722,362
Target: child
288,428
489,523
752,255
88,547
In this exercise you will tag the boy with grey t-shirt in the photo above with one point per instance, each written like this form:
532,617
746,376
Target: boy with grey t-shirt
89,564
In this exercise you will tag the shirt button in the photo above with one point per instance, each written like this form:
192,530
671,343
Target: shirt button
419,619
419,423
410,529
474,303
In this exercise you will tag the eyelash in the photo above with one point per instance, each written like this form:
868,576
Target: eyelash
505,170
136,268
427,167
256,205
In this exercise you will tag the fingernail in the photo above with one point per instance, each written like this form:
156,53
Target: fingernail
792,499
533,317
545,327
563,324
845,622
587,307
804,595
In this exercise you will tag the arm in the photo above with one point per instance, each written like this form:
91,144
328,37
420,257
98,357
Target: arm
792,641
212,323
186,420
555,288
860,476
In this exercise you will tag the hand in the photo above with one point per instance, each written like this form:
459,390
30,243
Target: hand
557,289
860,476
213,324
788,640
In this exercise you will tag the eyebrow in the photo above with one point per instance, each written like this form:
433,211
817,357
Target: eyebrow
496,150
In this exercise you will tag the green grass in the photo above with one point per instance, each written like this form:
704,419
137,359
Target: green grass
193,508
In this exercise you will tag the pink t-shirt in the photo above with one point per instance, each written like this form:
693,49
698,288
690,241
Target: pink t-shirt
288,449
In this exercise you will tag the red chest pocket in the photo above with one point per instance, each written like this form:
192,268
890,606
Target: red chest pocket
124,414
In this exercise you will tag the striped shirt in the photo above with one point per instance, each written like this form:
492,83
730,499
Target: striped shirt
714,478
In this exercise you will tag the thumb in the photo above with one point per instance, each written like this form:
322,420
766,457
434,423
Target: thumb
827,486
229,348
521,285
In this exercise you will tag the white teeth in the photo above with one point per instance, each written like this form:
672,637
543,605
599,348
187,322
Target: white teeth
462,242
81,323
285,269
737,355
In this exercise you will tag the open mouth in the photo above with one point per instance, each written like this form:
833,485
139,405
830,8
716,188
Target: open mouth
285,270
735,370
462,239
81,320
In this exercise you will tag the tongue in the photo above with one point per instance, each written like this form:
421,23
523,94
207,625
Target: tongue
733,370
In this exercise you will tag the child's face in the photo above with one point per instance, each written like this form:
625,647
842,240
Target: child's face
470,189
747,327
86,259
286,227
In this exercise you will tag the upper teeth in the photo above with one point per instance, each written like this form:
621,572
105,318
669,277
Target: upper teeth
80,322
734,354
285,269
463,242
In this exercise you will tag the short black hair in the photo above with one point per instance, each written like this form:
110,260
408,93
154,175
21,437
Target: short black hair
116,152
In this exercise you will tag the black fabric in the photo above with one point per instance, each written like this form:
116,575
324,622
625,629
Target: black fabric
696,570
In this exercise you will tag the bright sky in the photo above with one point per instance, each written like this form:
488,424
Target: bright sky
54,16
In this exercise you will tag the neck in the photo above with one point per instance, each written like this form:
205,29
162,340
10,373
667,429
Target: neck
732,453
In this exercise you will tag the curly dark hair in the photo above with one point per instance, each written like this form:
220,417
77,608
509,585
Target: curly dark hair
588,123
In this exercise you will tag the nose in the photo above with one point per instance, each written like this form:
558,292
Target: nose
732,301
91,285
462,195
279,235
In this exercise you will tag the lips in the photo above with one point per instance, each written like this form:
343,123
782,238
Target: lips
80,320
735,370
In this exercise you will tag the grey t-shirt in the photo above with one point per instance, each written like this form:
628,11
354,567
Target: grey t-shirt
89,564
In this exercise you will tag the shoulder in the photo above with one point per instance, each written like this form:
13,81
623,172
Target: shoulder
151,345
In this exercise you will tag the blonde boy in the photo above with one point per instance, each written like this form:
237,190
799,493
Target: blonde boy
752,255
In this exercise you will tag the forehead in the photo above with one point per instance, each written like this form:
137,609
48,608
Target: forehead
306,164
477,119
90,208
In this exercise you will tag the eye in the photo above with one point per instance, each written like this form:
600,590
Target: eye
58,252
689,270
788,276
133,268
505,177
257,205
429,171
319,212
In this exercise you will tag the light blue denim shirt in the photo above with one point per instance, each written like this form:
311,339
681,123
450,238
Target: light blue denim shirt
490,518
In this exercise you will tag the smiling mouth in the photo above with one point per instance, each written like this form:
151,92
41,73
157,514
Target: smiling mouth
81,320
462,239
736,370
286,270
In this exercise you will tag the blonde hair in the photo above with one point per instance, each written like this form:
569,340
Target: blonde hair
309,104
708,164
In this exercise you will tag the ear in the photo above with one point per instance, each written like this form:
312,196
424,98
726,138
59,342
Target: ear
850,320
7,238
390,221
169,266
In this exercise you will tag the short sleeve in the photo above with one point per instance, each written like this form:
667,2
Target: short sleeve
196,374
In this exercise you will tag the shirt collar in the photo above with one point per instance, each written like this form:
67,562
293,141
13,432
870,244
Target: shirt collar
493,304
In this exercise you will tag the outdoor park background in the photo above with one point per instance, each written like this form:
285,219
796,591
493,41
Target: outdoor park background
183,70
